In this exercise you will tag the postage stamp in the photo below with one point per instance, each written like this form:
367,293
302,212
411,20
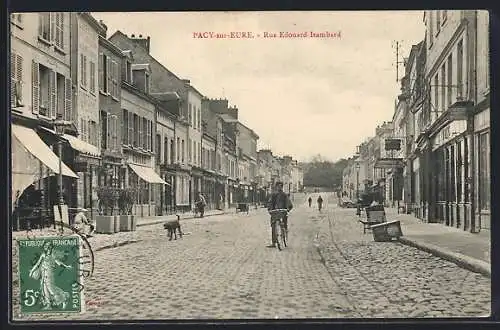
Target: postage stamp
49,276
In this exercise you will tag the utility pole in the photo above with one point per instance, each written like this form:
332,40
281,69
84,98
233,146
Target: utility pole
398,62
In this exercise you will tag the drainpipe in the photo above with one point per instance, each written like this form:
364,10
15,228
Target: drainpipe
475,221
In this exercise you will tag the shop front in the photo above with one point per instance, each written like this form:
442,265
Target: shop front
146,181
451,165
35,170
482,174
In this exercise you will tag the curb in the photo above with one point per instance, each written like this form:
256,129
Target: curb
472,264
155,222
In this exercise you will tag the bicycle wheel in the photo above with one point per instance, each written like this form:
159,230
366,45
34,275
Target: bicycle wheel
86,260
283,234
277,232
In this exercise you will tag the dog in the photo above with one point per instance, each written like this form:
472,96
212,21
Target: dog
172,227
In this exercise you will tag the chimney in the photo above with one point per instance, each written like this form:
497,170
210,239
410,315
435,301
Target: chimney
144,43
186,81
103,25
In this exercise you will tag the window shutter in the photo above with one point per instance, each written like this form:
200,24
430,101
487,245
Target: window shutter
68,99
109,143
115,132
19,80
52,91
101,71
115,78
130,128
52,26
13,80
57,34
109,72
35,77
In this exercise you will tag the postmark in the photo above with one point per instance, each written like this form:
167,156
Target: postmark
50,279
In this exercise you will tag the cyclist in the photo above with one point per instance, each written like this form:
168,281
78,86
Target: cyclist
320,202
279,200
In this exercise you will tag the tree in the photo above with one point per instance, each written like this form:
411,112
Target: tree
321,172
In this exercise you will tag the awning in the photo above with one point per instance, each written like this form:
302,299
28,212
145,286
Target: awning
34,144
147,174
78,144
82,146
389,163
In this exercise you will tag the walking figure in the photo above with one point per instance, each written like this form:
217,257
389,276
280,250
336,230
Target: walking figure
320,202
310,201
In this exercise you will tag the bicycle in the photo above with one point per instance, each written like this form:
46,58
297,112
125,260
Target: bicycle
280,233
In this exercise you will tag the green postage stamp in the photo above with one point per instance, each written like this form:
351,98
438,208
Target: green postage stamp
49,275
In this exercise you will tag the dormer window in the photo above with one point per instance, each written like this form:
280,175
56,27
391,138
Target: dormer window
141,74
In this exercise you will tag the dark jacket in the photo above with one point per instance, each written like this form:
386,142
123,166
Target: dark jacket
279,200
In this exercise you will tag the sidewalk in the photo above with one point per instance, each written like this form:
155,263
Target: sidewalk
105,241
471,251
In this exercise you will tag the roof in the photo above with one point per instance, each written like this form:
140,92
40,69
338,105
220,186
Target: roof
228,118
166,96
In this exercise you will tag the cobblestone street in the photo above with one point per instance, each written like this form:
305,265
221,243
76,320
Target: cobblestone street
221,268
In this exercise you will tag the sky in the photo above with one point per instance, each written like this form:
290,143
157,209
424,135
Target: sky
302,96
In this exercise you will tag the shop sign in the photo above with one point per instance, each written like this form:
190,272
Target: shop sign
448,132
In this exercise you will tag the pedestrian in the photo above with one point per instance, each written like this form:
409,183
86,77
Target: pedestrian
320,202
83,224
200,204
310,201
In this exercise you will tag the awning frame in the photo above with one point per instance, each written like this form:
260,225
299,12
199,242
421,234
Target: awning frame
147,174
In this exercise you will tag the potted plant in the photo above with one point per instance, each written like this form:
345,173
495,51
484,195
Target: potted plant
126,200
107,222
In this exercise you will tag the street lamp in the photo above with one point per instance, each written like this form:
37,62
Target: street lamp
357,180
59,126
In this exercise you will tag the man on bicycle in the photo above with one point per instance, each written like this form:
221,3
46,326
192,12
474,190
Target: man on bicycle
279,200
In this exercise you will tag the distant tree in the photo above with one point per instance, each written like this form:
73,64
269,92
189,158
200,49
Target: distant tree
321,172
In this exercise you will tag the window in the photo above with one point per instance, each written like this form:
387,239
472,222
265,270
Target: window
92,132
146,83
128,68
16,19
136,131
125,126
44,26
460,63
172,151
165,151
430,26
484,171
178,149
183,151
131,131
46,91
16,80
104,130
150,135
103,74
92,77
114,79
158,149
442,88
438,21
190,115
114,132
436,93
450,80
83,71
59,30
60,94
145,134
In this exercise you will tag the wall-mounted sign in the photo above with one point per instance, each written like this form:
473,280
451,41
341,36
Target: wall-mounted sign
392,144
449,132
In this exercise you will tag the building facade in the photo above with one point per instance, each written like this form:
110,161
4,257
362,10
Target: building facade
41,91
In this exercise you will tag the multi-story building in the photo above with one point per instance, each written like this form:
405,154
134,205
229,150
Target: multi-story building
164,151
86,64
265,161
450,73
41,90
481,125
194,134
247,161
163,83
